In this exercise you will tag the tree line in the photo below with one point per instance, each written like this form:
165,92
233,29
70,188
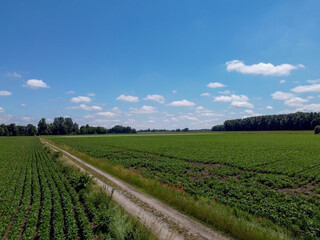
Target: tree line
59,126
292,121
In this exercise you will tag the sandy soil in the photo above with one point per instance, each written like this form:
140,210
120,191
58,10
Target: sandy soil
164,221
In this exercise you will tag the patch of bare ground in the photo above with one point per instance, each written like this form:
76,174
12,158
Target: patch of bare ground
306,190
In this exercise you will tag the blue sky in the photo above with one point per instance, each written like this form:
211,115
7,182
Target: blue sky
157,64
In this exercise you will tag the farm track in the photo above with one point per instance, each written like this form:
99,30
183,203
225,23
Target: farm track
165,222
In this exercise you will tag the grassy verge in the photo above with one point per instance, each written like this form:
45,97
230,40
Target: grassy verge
239,225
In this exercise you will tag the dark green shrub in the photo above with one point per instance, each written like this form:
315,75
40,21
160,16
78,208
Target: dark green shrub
317,129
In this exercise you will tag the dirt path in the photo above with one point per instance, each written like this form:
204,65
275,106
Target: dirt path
164,221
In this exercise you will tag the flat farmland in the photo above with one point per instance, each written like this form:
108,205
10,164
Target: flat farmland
41,197
274,178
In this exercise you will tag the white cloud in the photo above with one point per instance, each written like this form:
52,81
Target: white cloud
23,105
144,110
174,91
107,114
295,102
91,94
89,116
155,97
1,110
269,107
14,74
310,97
200,108
189,118
232,98
238,104
35,83
87,108
225,92
282,95
282,81
307,88
70,92
311,107
80,99
267,69
206,94
249,112
25,119
313,81
127,98
116,110
215,85
182,103
5,93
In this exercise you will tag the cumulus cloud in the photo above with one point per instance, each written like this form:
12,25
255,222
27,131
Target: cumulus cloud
80,99
200,108
35,83
238,104
144,110
5,93
310,108
206,94
307,88
313,81
1,110
215,85
261,68
14,74
155,97
91,94
295,102
182,103
282,81
232,98
282,95
225,92
269,107
127,98
116,110
189,118
70,92
87,108
107,114
174,91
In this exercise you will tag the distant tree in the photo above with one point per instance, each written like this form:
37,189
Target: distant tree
42,127
2,131
59,127
21,131
31,130
218,128
178,130
121,129
12,129
68,125
185,130
317,129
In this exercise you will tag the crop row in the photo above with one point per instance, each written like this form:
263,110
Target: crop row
254,173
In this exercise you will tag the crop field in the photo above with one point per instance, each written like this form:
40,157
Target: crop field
43,198
273,177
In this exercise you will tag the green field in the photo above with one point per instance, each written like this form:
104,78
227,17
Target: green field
274,177
41,197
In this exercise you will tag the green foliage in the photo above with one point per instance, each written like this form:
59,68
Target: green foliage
292,121
251,173
39,198
317,129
